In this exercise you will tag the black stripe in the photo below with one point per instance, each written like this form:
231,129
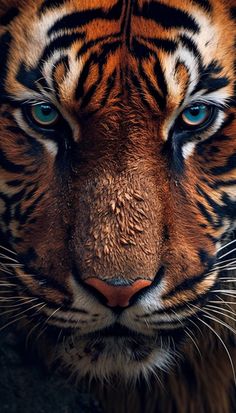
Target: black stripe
9,16
23,217
186,285
8,165
166,16
227,209
190,45
109,87
15,182
31,193
13,199
213,85
200,299
56,86
161,79
206,213
98,58
140,50
233,13
47,283
217,137
107,90
138,89
5,41
61,42
89,45
93,59
126,24
160,100
77,20
30,77
229,166
207,260
169,46
50,4
220,183
203,4
209,82
33,148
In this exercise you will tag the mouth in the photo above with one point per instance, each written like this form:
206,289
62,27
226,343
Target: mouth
116,330
122,336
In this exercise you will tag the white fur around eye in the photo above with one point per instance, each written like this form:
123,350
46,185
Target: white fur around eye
188,149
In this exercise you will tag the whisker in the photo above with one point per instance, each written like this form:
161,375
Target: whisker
13,265
221,312
208,315
223,267
5,270
217,320
22,312
35,326
224,302
8,258
12,322
20,305
222,262
15,297
227,253
188,332
226,245
227,280
7,249
195,325
223,344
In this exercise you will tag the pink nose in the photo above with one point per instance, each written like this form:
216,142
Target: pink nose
117,295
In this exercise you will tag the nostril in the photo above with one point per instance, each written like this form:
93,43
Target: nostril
117,292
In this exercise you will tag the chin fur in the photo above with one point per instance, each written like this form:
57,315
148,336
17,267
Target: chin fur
105,358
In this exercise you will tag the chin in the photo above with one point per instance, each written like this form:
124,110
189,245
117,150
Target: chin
117,352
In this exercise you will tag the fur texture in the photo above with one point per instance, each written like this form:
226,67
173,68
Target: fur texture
122,188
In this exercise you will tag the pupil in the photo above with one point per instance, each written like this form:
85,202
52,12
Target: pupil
195,111
46,110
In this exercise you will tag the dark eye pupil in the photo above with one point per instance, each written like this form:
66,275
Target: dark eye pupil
46,110
195,110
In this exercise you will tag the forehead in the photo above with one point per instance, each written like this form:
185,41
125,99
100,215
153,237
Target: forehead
70,40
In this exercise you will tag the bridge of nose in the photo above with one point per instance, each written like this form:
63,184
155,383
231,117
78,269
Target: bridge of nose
117,294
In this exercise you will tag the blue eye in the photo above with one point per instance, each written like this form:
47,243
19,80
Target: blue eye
196,116
44,115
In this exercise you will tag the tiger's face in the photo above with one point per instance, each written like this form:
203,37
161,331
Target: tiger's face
117,171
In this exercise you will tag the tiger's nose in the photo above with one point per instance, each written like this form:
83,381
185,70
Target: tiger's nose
116,292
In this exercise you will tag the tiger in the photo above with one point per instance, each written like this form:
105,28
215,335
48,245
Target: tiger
118,194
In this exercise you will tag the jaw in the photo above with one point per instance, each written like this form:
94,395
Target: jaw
104,356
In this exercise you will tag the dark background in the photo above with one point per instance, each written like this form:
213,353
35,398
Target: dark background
25,386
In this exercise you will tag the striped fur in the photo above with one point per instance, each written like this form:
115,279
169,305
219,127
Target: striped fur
118,188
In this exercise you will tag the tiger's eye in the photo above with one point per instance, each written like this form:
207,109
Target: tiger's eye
196,115
44,114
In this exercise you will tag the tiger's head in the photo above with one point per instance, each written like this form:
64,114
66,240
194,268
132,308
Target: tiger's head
117,172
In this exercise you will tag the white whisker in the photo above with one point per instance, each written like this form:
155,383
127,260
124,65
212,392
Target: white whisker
209,316
226,245
227,253
223,344
7,249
